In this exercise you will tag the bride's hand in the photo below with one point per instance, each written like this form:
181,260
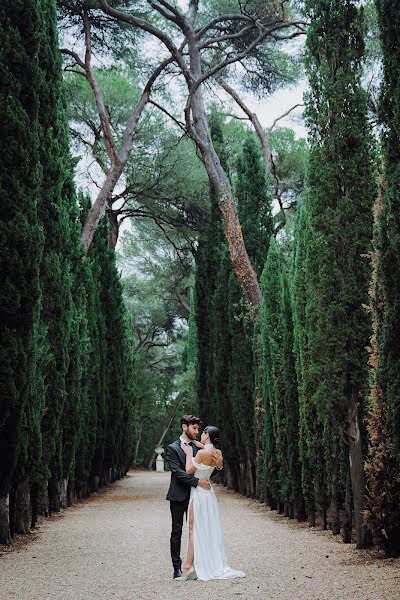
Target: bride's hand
186,448
198,444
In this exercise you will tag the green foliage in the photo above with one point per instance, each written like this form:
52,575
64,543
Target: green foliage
21,240
307,424
225,372
65,340
383,467
341,189
282,475
254,202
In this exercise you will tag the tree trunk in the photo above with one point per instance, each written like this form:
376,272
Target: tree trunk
324,520
218,178
249,474
34,503
136,454
335,488
63,495
357,472
348,512
99,205
299,506
22,515
5,537
95,483
311,517
43,507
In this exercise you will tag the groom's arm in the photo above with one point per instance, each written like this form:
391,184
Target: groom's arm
174,464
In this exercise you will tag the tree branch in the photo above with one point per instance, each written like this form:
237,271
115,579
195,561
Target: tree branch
171,14
101,107
284,115
164,110
262,136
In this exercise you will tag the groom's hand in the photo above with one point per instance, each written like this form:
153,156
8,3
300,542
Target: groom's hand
205,484
217,456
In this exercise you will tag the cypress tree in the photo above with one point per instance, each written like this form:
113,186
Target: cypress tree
389,21
254,203
241,384
307,417
57,205
383,466
221,352
282,476
96,374
207,313
339,207
21,244
275,475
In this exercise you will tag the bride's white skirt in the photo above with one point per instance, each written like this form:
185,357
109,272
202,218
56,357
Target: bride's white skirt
210,560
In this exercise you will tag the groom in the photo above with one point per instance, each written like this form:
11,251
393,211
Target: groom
181,482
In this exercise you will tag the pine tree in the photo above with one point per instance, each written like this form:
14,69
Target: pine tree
21,243
341,190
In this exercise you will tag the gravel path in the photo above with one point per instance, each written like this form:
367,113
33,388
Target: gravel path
115,545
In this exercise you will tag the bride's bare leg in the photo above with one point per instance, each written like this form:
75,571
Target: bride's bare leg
190,553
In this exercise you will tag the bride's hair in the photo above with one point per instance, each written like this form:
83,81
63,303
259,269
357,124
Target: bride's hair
213,432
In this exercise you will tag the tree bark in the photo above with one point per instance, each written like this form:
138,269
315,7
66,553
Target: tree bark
119,161
22,515
357,471
348,512
251,489
200,132
311,517
335,488
5,537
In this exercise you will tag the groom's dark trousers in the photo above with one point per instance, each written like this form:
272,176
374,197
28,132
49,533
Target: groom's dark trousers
178,495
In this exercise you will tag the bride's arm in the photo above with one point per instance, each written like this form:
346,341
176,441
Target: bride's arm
189,467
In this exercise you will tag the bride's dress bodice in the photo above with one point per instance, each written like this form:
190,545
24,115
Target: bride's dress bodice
202,471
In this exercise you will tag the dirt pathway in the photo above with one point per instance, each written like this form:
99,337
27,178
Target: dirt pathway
115,546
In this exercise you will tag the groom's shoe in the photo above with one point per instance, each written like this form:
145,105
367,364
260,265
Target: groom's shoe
177,574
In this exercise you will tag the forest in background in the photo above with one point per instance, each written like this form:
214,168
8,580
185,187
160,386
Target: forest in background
163,252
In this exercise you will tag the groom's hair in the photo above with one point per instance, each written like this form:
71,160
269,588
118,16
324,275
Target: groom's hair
190,420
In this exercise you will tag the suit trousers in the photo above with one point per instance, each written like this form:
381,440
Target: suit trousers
177,511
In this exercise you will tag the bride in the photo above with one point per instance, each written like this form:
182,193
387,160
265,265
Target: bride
206,556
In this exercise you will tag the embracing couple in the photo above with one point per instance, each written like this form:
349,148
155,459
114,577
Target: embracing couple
192,463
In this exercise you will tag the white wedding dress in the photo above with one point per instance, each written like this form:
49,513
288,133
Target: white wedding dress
210,560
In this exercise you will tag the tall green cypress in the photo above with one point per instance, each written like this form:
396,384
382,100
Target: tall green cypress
389,21
383,466
275,473
254,210
241,384
282,475
21,243
57,203
307,417
207,314
254,202
341,190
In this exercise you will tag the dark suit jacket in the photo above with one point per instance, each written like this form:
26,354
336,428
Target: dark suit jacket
181,482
